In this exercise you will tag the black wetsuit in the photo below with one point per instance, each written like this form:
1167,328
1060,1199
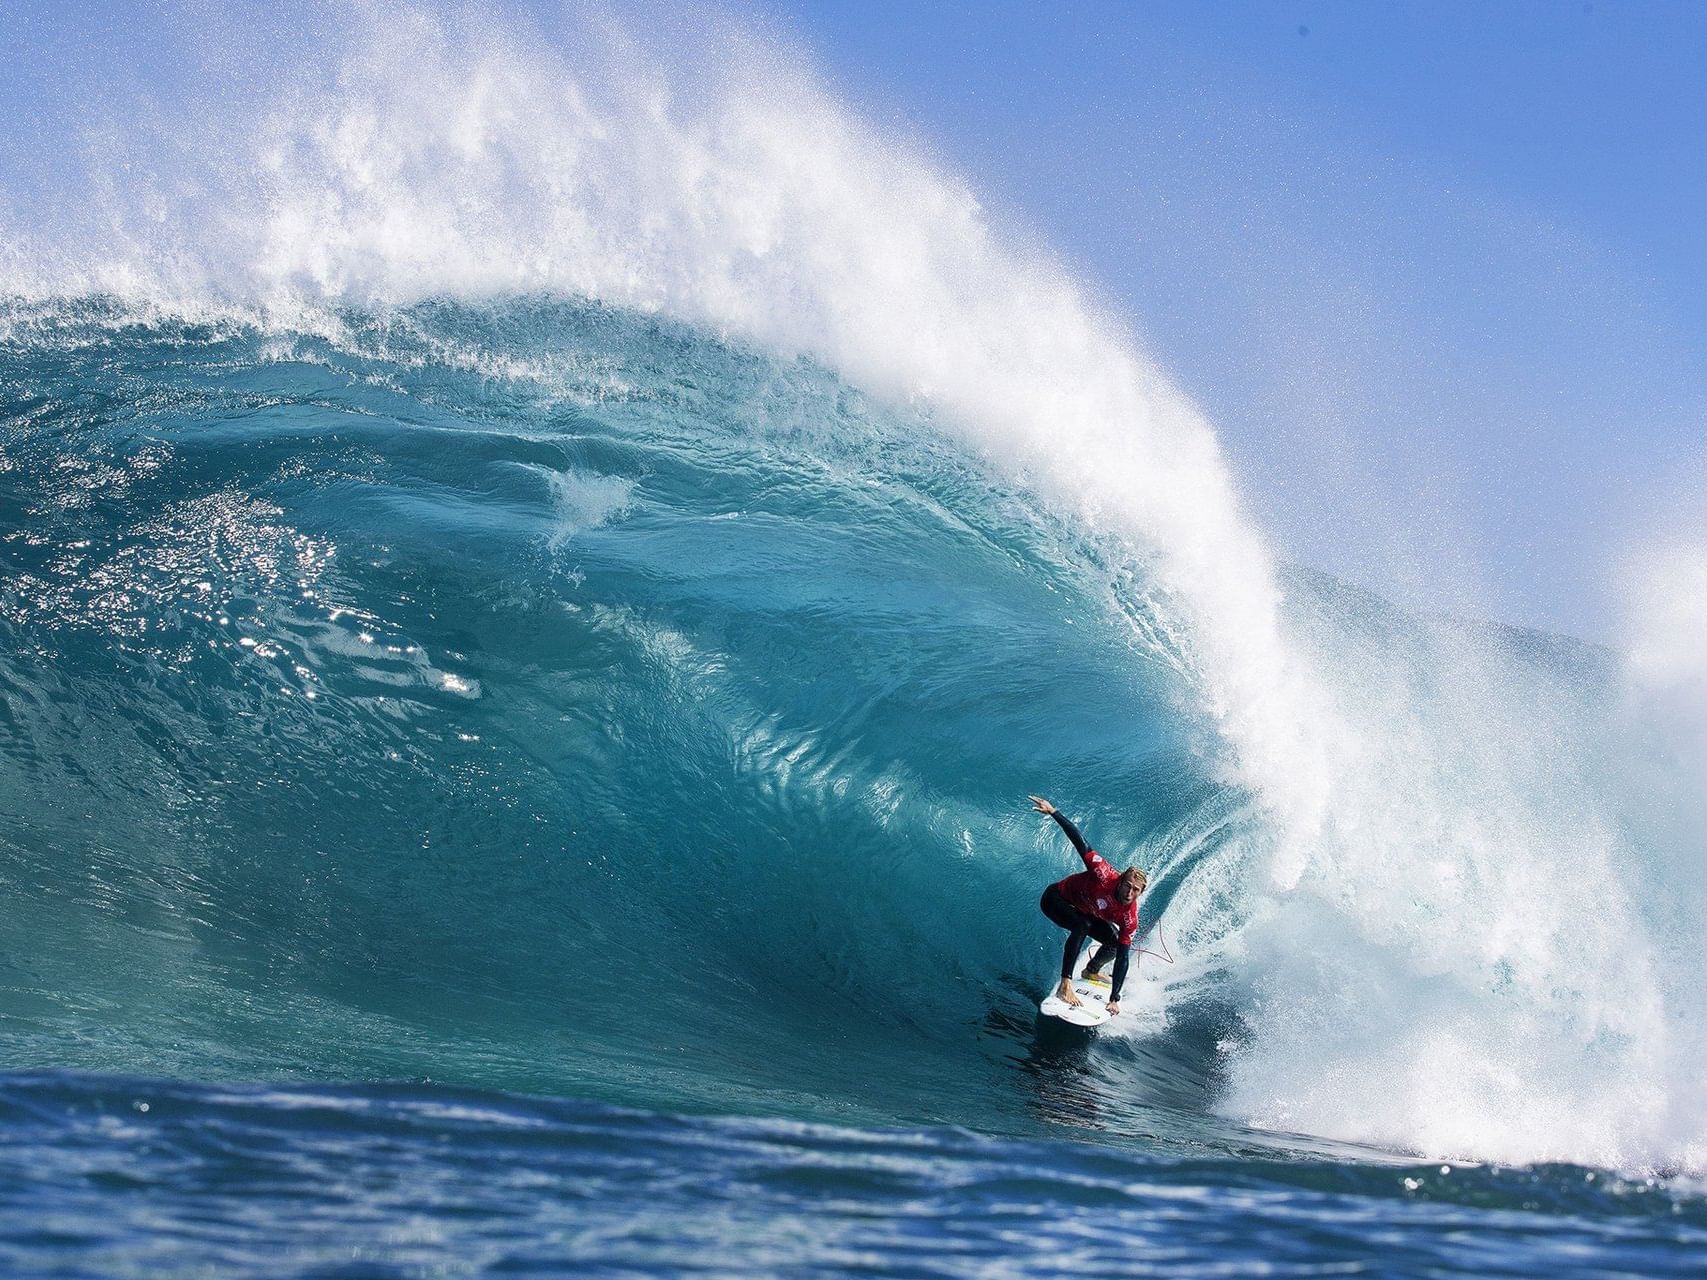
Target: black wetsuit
1081,924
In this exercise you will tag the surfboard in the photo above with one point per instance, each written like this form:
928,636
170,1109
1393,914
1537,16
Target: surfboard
1092,1013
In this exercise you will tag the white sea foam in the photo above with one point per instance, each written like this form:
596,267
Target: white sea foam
1443,940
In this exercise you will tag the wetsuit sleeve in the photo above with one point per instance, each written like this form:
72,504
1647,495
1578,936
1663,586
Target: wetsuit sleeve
1084,850
1121,959
1129,930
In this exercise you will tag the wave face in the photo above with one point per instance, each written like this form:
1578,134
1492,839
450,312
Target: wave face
532,561
544,696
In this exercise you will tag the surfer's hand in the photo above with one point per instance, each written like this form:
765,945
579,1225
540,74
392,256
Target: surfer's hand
1113,1007
1040,804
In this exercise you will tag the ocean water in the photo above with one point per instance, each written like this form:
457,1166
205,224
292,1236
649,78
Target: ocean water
536,575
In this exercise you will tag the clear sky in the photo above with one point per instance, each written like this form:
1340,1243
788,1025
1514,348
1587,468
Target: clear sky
1435,270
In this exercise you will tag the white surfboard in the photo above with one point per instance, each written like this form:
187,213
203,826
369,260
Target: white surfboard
1092,1011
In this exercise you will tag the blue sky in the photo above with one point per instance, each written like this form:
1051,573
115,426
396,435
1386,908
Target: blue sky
1435,270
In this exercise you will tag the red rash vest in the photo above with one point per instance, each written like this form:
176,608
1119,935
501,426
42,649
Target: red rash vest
1092,891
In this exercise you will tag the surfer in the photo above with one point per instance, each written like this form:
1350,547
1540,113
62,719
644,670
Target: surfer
1098,902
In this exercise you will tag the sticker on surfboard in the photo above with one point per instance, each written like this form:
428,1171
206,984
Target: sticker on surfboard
1092,1011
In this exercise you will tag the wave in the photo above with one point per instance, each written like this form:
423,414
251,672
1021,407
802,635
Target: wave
525,552
537,733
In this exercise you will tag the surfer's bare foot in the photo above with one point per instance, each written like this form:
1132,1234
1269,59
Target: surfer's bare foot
1067,995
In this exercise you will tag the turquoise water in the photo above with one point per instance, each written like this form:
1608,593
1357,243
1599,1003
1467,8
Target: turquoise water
659,734
537,571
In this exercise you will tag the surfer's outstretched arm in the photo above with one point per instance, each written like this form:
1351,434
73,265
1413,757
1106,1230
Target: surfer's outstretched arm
1080,847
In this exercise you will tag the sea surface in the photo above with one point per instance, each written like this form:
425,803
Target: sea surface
529,613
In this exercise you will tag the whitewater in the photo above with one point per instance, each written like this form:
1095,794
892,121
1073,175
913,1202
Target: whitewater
538,566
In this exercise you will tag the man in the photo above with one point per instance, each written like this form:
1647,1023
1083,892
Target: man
1098,902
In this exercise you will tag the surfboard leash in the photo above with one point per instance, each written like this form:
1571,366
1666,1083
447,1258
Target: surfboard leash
1158,954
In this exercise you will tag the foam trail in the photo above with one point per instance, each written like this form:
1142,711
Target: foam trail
1664,719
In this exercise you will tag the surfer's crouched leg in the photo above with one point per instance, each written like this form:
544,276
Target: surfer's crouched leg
1078,925
1069,954
1101,956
